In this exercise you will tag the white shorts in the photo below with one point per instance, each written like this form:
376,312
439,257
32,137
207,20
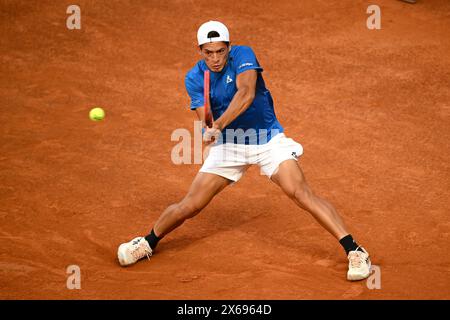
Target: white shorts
231,160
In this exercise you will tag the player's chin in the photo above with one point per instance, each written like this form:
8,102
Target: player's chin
217,68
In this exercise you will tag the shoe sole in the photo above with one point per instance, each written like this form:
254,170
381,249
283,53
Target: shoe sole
357,277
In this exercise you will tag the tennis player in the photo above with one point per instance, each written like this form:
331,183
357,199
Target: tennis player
245,131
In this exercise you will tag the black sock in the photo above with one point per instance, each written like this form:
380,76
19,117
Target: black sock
349,244
152,239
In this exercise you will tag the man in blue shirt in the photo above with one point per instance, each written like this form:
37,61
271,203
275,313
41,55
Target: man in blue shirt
258,118
245,131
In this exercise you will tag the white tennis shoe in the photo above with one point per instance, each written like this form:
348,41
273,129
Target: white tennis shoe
131,252
358,265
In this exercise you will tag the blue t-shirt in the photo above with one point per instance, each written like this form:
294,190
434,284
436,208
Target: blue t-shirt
258,124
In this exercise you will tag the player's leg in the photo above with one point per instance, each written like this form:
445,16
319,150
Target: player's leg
204,187
291,180
202,190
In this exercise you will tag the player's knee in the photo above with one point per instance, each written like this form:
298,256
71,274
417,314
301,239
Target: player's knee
295,191
187,210
303,194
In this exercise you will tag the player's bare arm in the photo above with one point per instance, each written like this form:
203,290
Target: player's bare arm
243,98
246,84
200,112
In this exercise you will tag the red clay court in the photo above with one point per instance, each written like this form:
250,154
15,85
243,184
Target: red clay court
370,107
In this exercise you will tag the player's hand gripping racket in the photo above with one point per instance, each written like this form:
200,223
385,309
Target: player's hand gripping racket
208,113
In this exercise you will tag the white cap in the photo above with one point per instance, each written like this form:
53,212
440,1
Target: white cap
207,27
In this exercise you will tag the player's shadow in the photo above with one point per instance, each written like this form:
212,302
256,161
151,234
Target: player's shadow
225,220
230,219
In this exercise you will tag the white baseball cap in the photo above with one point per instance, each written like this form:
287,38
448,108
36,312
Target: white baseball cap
207,27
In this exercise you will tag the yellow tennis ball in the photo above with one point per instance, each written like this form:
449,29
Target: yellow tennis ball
97,114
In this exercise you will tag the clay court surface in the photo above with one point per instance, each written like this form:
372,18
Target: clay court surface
370,107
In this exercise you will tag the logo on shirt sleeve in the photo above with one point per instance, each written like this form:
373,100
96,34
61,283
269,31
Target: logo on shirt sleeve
247,64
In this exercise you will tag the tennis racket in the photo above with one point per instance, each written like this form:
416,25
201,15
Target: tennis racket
208,113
